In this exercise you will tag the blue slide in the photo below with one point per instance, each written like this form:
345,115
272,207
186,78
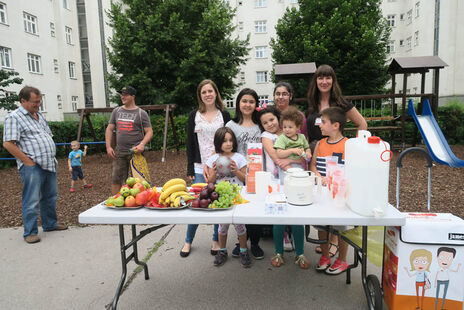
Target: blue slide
433,136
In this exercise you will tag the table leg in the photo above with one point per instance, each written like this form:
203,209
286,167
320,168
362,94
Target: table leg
136,255
124,267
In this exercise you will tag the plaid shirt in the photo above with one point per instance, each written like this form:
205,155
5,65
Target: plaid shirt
34,138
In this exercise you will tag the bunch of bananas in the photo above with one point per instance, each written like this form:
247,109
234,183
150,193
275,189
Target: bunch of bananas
172,192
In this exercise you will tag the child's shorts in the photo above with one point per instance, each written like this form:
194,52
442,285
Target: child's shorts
239,228
77,173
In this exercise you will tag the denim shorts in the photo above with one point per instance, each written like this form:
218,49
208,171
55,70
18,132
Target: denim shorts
120,169
77,173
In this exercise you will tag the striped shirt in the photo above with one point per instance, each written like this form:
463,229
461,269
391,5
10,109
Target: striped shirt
34,138
325,149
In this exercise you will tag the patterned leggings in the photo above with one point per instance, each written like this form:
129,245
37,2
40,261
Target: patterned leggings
239,228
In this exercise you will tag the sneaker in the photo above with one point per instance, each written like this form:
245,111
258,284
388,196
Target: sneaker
245,260
324,263
72,190
220,258
87,185
337,267
302,261
277,260
32,239
236,250
257,252
288,243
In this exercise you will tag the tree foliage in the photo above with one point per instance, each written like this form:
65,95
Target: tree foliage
351,36
7,78
165,48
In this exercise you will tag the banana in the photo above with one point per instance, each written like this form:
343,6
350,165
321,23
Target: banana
176,194
177,202
187,197
172,189
199,184
173,182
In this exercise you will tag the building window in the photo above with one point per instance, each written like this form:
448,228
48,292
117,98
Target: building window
260,3
230,103
52,29
242,76
408,43
264,99
401,42
42,103
416,9
391,47
60,102
409,16
260,52
401,17
5,56
391,20
240,26
294,1
68,32
416,38
30,23
66,4
3,13
260,26
72,70
56,67
33,61
74,103
415,90
261,77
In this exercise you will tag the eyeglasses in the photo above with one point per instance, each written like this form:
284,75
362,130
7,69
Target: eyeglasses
281,94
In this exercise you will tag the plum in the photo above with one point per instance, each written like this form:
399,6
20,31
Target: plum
204,194
204,203
196,203
214,196
211,187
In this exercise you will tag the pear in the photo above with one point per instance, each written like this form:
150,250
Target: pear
119,202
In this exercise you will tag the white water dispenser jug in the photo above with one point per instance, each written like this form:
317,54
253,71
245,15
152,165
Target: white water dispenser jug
367,164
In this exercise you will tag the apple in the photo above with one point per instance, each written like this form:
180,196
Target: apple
134,191
139,186
130,181
204,203
151,193
110,201
210,187
204,193
125,191
119,202
130,202
141,198
146,184
137,180
196,203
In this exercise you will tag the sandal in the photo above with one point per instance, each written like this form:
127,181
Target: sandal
332,253
302,261
318,249
277,260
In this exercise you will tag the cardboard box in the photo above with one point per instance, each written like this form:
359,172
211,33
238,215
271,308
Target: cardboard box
423,261
254,163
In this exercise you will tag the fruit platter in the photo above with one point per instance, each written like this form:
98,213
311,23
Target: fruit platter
132,195
174,195
221,196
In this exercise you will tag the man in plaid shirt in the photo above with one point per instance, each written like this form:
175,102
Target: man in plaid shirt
27,137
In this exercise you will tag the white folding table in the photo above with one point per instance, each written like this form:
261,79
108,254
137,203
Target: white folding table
322,212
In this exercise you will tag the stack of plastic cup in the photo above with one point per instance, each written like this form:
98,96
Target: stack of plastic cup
331,163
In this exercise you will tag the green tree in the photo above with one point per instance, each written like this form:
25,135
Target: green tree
165,48
351,36
7,78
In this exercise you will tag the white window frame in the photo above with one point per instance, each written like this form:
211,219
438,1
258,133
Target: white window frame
409,16
391,46
261,52
261,77
409,43
240,26
294,1
68,34
74,103
416,38
72,70
42,103
66,4
3,17
260,26
34,63
391,19
56,66
260,3
52,29
263,99
30,23
242,76
5,55
230,103
59,101
417,9
401,43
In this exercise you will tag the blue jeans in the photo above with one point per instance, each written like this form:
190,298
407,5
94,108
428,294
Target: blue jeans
192,228
40,189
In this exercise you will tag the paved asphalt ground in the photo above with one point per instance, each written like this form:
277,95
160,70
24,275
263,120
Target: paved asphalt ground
80,269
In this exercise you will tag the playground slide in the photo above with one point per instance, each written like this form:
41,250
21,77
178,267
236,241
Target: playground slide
433,136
